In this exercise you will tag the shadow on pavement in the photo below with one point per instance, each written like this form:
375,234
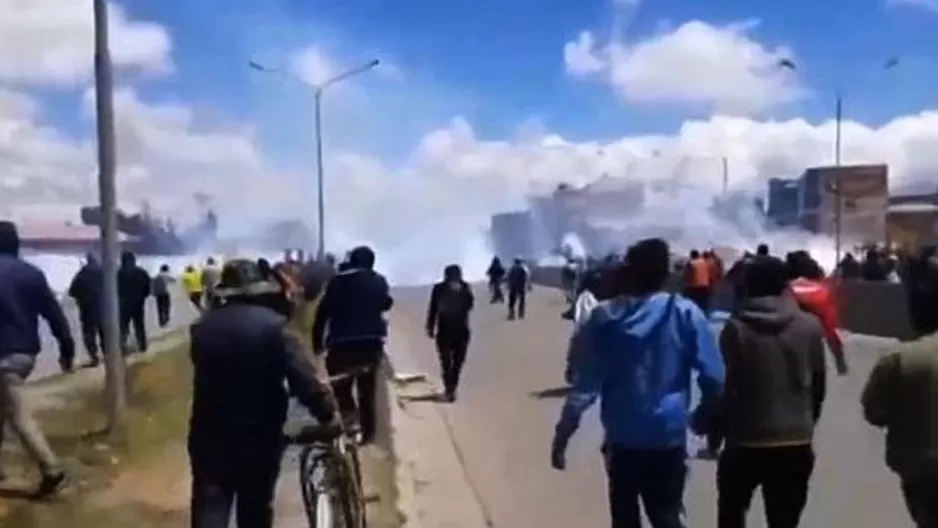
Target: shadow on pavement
556,392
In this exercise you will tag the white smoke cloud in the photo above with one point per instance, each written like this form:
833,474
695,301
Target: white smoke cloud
429,204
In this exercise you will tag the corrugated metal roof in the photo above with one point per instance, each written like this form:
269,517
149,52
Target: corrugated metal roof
919,207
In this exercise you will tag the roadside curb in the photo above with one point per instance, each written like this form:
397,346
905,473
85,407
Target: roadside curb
433,491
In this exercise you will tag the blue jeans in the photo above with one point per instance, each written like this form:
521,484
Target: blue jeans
656,477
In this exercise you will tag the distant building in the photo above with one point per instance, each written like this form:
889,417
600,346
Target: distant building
912,220
510,235
783,197
863,192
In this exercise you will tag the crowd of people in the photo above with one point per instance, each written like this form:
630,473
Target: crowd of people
762,381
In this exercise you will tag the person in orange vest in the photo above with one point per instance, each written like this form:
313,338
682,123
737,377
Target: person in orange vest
698,281
715,265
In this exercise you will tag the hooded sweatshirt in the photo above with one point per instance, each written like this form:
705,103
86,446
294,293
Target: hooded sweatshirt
25,296
776,375
637,355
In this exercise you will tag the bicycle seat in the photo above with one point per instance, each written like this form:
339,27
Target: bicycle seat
316,433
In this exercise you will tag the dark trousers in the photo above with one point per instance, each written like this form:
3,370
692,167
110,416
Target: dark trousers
516,302
345,357
135,317
234,470
654,477
163,309
700,296
921,497
452,344
495,287
92,331
782,472
196,299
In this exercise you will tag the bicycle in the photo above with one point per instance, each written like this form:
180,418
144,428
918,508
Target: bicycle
330,472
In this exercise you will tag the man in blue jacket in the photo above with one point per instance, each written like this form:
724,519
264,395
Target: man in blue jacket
637,354
350,323
25,296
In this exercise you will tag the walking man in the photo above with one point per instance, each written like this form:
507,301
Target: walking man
133,288
85,289
901,396
161,284
774,391
243,357
518,284
192,283
637,354
451,301
25,296
353,309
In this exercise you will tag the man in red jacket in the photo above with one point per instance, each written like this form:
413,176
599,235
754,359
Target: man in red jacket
817,296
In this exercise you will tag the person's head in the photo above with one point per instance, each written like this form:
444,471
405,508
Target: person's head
242,280
210,261
800,265
452,273
694,254
762,250
647,266
91,259
362,257
128,259
264,266
765,276
190,269
164,268
9,239
330,259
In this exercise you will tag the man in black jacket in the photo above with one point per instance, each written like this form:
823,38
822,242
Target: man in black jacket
242,353
86,289
24,297
448,323
133,287
518,280
353,309
775,388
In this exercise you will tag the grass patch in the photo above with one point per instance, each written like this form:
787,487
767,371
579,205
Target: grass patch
159,397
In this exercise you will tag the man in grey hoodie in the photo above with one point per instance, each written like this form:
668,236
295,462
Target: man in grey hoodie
775,388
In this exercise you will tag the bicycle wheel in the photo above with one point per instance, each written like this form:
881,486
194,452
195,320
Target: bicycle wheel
328,494
357,490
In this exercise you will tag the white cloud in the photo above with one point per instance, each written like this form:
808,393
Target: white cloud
697,63
43,41
930,5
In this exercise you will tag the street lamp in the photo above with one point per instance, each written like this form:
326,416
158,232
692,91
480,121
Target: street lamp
834,188
318,91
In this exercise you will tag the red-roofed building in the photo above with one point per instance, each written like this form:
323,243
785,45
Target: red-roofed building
66,238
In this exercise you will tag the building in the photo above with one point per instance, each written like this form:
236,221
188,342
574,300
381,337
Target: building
783,206
511,235
863,193
912,220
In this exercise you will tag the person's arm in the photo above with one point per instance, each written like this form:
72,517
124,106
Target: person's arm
470,297
323,313
432,310
818,376
829,323
588,375
388,301
880,391
706,359
302,379
50,310
75,287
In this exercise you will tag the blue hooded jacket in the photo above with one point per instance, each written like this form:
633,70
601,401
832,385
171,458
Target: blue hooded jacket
638,355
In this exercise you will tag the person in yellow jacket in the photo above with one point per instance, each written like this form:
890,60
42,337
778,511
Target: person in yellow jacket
192,282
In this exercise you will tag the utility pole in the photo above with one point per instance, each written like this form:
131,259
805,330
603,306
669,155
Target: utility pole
837,191
114,366
320,180
726,174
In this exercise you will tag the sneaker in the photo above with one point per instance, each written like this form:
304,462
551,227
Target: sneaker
93,362
51,484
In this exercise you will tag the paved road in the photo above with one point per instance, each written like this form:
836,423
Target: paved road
504,428
183,313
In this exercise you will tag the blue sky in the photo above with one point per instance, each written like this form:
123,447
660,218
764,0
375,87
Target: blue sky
500,63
